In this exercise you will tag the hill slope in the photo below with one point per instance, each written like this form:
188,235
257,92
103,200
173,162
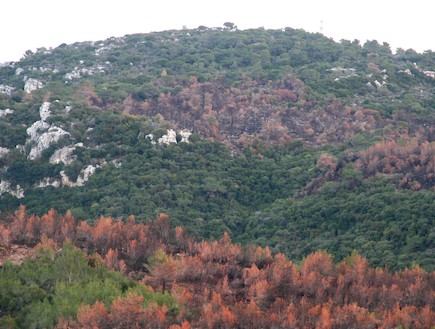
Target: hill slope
279,137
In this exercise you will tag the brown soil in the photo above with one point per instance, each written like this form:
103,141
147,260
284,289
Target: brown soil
15,254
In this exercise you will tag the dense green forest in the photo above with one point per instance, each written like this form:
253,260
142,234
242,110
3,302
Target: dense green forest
280,137
53,285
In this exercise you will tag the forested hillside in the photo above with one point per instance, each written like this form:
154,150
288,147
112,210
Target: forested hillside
139,275
281,138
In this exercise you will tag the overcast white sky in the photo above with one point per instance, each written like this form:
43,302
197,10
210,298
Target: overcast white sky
30,24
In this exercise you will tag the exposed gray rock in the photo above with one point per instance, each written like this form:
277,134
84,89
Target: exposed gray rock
3,152
32,84
41,134
18,71
342,72
170,137
378,84
44,111
151,138
47,181
72,75
64,155
83,177
5,187
5,112
52,136
407,72
7,90
35,129
185,134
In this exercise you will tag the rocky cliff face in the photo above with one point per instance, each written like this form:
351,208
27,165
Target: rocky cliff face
42,135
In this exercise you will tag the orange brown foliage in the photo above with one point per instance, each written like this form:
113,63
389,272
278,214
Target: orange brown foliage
221,285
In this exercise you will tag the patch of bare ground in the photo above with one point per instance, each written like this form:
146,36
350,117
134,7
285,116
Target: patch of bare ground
15,254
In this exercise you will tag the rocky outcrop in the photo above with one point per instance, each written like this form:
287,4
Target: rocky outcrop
64,180
52,136
7,90
170,137
85,174
64,155
83,177
47,181
35,129
185,134
5,187
430,74
3,152
5,112
32,84
41,134
78,73
44,111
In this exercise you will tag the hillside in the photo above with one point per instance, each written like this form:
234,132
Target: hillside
278,137
135,275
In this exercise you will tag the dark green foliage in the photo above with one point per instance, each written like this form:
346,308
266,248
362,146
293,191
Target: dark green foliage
39,292
199,185
26,172
390,227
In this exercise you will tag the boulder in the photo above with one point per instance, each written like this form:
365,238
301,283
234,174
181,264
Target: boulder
32,84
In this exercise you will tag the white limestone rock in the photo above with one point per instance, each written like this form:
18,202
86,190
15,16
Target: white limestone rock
65,155
170,137
47,181
52,136
3,152
185,134
21,149
5,187
18,71
42,134
7,90
378,84
35,129
430,74
83,177
32,84
44,111
85,174
72,75
5,112
65,181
